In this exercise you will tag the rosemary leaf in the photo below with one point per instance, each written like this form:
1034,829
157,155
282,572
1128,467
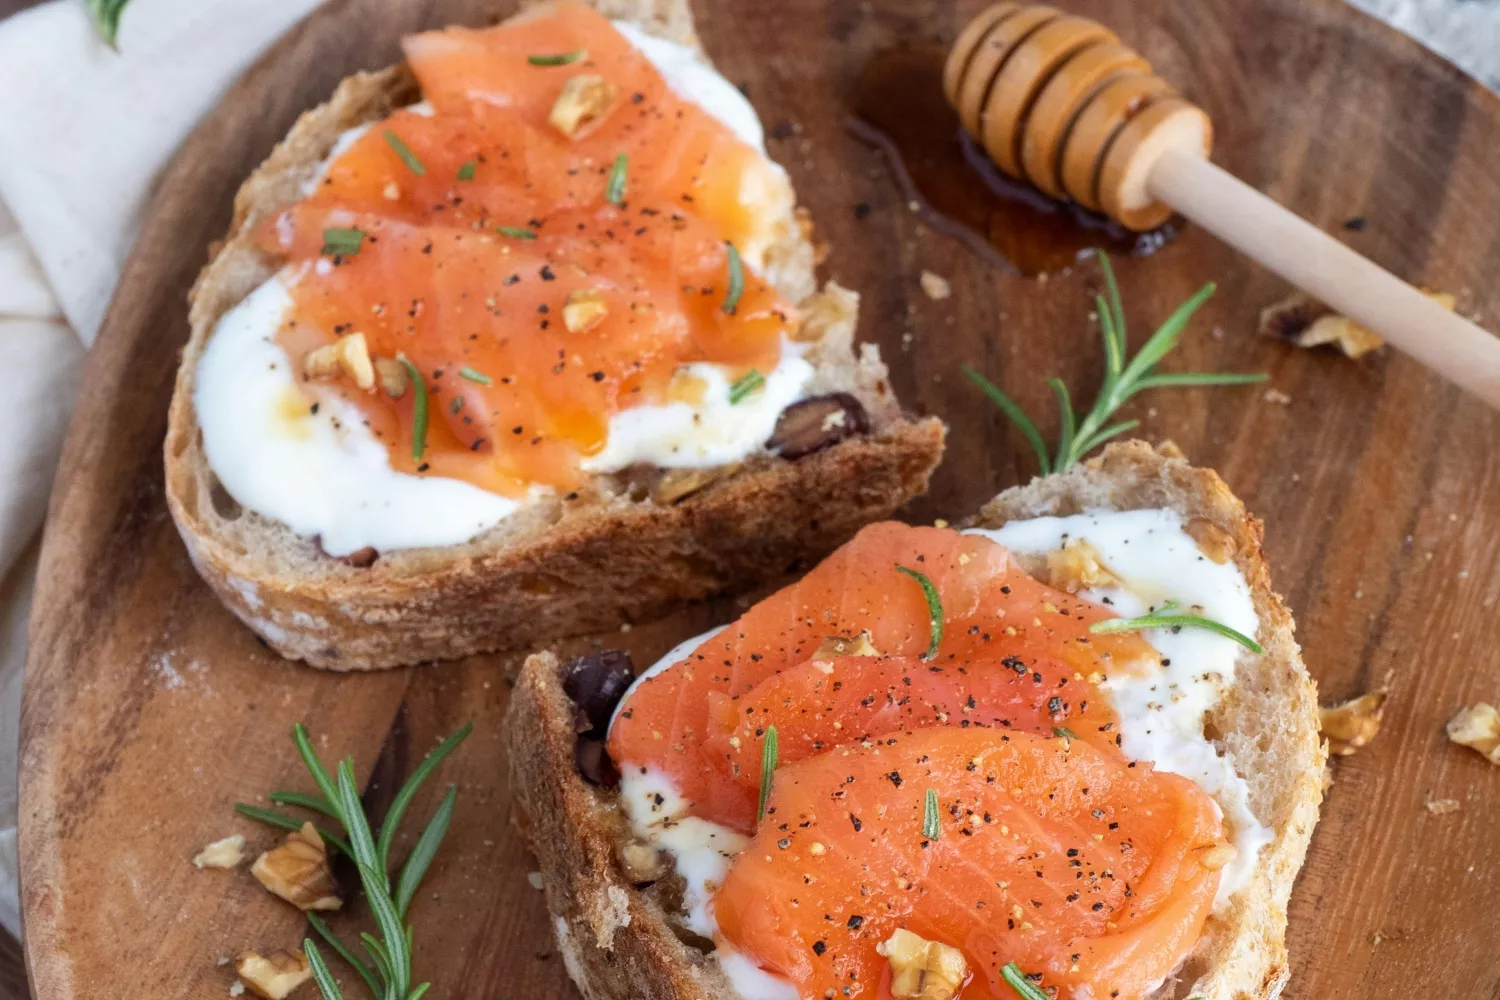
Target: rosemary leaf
106,17
466,170
1165,338
378,953
422,854
1068,418
418,409
326,984
614,190
559,59
1185,379
736,279
404,151
282,821
416,994
744,386
1063,732
314,765
934,610
341,242
408,791
1101,436
1016,980
354,815
393,935
932,824
516,232
365,972
1173,621
1017,416
769,750
314,802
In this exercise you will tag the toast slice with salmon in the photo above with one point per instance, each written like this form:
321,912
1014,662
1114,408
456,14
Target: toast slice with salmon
622,925
624,547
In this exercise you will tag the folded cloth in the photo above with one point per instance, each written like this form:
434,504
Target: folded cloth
84,132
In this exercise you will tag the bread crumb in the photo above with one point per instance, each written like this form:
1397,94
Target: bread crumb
1276,396
1442,807
1354,723
535,878
936,286
236,988
1478,728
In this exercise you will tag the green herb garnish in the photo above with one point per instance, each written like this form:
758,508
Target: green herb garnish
1164,618
516,232
419,409
932,826
1122,380
466,172
388,973
934,609
1017,980
404,151
614,191
342,242
1064,733
736,279
474,375
744,386
282,821
106,17
769,751
560,59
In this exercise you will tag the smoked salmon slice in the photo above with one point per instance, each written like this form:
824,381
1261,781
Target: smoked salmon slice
537,281
1083,869
1018,649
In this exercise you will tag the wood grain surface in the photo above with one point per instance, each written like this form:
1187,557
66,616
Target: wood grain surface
149,711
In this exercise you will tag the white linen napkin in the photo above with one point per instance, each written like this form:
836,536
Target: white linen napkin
84,132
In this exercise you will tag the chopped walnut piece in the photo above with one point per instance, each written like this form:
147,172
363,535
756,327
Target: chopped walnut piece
1078,566
273,977
393,377
348,356
584,99
935,286
685,387
840,645
1442,807
1213,541
679,484
923,969
1305,322
584,309
1354,723
226,853
1477,727
1216,857
298,871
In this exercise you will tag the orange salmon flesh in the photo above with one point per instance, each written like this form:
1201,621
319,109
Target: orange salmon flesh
483,221
1056,852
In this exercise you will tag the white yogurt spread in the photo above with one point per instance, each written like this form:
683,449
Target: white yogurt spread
326,474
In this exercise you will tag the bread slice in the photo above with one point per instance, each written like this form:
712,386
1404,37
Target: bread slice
561,566
619,941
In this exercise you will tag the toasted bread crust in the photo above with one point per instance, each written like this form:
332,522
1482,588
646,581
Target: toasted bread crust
619,942
558,567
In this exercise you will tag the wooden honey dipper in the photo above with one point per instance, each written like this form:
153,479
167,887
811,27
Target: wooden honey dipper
1057,101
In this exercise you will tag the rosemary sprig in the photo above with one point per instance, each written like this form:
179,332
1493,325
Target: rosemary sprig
404,151
106,17
1016,980
1164,618
743,386
736,279
560,59
934,610
282,821
516,232
418,416
932,824
1064,733
1122,380
475,375
388,972
769,751
338,242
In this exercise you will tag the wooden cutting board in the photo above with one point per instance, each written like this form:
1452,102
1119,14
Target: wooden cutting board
149,710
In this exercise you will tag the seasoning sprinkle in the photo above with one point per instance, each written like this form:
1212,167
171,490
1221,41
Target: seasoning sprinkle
516,232
1024,987
419,408
1064,733
934,609
736,279
932,826
1163,618
342,242
474,375
768,753
558,59
744,386
614,191
404,151
466,172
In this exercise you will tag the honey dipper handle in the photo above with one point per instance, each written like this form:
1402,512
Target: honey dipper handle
1328,270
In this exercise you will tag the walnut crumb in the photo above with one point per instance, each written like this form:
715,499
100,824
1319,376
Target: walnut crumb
584,309
226,853
584,99
1276,396
1213,541
842,645
923,969
1354,723
1479,729
1442,807
298,871
273,977
348,356
935,286
1306,322
1078,566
